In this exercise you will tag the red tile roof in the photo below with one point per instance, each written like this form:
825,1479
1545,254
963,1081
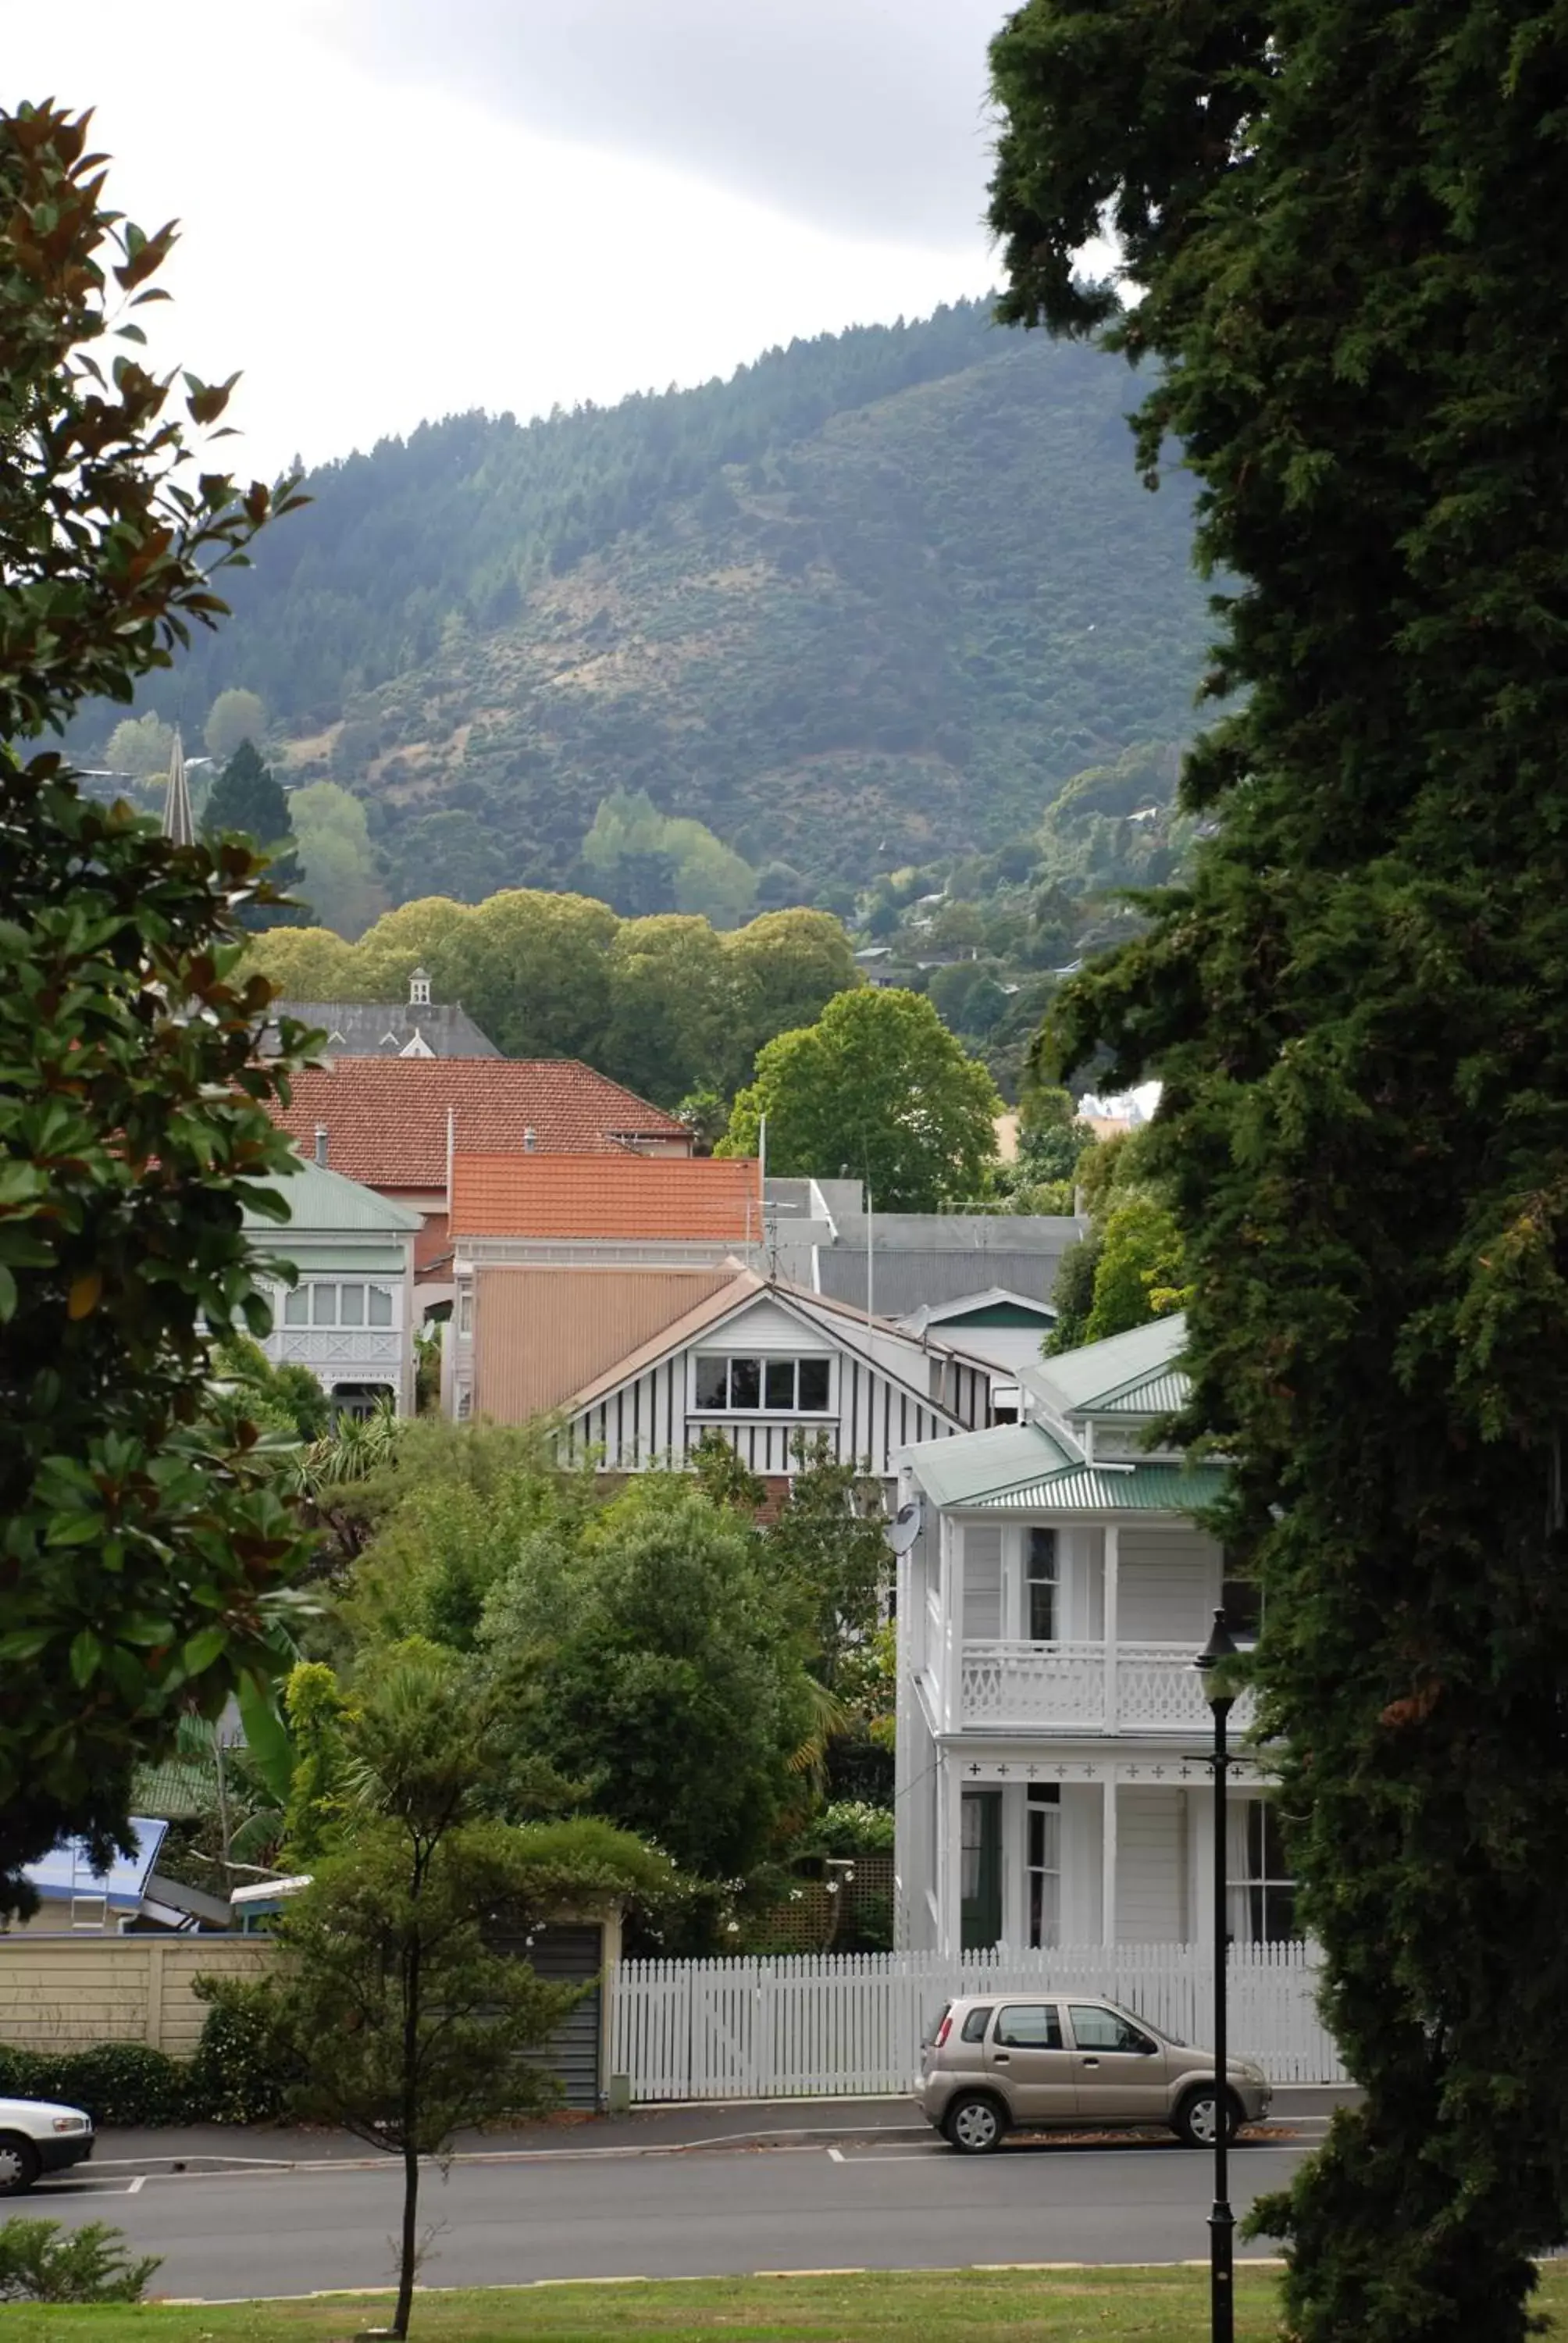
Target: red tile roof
386,1118
623,1196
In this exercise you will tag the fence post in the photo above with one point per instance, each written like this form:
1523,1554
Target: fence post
154,2010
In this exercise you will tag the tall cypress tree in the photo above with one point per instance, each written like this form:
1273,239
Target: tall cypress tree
248,798
1343,221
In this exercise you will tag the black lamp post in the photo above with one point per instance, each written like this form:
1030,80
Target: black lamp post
1218,1648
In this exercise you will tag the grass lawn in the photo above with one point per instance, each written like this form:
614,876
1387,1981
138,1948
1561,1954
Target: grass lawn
1159,2306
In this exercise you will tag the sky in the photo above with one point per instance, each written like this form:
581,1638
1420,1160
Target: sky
395,209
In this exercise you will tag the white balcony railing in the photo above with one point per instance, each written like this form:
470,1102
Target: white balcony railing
1072,1688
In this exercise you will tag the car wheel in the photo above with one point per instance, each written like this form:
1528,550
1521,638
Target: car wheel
18,2164
1196,2123
974,2123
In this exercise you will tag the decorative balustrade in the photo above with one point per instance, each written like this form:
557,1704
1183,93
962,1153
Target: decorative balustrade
1072,1688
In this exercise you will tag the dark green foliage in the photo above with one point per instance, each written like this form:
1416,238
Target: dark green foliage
42,2261
115,2082
873,599
1343,218
238,2075
141,1552
829,1547
247,798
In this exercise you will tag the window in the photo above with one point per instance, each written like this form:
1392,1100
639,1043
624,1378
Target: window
1039,1587
1242,1600
975,2024
1094,2028
1029,2025
466,1311
326,1302
1263,1901
1043,1823
781,1386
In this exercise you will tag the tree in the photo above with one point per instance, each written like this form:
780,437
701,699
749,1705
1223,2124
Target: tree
306,964
1336,218
286,1400
399,2013
671,1006
339,862
235,718
829,1544
785,967
533,970
248,801
142,1556
652,1657
141,745
1139,1270
878,1088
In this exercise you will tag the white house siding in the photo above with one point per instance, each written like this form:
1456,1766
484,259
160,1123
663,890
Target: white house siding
649,1421
983,1582
1168,1585
1151,1867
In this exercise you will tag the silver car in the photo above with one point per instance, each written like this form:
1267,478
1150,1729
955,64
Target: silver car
1004,2062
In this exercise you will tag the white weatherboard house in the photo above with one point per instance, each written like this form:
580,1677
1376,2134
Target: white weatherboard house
349,1317
1052,1725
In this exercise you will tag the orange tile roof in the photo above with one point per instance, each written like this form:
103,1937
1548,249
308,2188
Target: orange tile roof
386,1118
661,1198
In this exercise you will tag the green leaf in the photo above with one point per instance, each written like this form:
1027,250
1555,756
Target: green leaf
203,1649
87,1656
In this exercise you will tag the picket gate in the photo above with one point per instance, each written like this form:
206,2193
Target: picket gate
852,2024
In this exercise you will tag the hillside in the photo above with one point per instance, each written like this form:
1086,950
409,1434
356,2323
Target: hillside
871,602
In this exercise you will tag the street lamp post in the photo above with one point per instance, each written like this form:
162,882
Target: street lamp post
1218,1648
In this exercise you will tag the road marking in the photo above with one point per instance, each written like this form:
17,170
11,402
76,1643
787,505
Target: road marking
835,2156
137,2184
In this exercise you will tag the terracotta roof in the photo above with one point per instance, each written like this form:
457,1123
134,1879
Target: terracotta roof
665,1198
539,1333
386,1118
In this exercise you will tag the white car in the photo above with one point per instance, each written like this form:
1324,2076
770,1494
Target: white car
38,2137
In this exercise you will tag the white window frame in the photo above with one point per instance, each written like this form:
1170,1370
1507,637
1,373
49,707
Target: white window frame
303,1296
1045,1811
764,1358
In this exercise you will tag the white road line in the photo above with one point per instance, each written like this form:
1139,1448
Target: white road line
835,2156
137,2184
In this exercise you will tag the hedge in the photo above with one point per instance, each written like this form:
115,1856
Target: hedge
230,2080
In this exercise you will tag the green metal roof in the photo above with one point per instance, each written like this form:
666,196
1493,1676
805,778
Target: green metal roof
1086,1382
318,1198
1161,1395
975,1465
178,1788
1101,1489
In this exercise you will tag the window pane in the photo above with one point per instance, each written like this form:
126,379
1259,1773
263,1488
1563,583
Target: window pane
380,1306
813,1386
745,1383
1042,1610
1241,1599
712,1383
975,2025
1029,2026
1042,1553
1106,2030
351,1305
297,1307
324,1305
781,1381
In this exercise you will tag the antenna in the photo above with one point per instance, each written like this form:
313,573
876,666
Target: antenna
905,1526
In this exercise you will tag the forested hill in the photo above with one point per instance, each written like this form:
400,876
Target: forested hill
873,599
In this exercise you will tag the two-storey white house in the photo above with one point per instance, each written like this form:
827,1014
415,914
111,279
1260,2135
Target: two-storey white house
349,1314
1051,1723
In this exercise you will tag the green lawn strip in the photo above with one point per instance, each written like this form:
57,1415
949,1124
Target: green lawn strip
1097,2305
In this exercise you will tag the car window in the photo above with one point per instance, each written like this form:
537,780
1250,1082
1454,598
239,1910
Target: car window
1094,2028
1029,2025
975,2024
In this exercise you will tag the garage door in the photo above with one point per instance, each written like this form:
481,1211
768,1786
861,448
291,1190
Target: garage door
570,1956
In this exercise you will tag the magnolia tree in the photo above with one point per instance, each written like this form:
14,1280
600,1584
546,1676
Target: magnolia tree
143,1557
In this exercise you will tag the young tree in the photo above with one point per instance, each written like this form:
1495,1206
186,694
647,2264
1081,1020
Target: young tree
1340,220
402,2017
141,1553
877,1088
829,1546
141,745
341,873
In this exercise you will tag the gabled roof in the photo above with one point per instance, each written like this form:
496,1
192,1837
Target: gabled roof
539,1333
386,1118
991,1297
1104,1489
1110,1377
319,1197
982,1464
661,1198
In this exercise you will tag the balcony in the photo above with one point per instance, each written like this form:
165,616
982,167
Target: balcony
1074,1688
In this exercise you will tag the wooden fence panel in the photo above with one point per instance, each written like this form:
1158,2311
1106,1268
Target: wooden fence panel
852,2023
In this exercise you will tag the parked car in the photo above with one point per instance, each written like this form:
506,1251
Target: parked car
38,2137
999,2063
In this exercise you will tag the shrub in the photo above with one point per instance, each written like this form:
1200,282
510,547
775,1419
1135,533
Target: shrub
234,2078
853,1827
115,2082
40,2263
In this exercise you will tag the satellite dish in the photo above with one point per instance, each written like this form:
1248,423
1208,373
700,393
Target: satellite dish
905,1526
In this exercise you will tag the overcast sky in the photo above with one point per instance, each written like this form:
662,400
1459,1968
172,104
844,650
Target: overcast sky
397,209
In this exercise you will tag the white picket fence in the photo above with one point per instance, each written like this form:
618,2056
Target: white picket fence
852,2023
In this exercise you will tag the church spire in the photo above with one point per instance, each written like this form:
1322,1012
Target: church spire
178,825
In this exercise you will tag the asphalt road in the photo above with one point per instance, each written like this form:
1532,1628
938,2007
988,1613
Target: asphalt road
889,2202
